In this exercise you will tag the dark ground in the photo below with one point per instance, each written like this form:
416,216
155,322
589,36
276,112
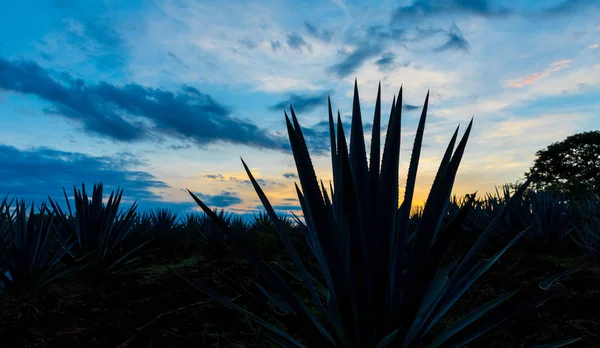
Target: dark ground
149,306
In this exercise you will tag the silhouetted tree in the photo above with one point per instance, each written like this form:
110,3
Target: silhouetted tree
570,167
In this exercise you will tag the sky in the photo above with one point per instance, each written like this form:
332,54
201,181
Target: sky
156,97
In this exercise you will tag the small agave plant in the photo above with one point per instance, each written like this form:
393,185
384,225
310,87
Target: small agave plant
99,232
31,250
164,222
212,235
376,294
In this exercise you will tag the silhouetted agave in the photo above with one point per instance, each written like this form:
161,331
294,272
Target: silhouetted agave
99,231
551,221
587,229
376,294
30,249
211,235
164,224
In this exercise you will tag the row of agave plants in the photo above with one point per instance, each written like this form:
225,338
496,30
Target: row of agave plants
555,222
37,249
385,278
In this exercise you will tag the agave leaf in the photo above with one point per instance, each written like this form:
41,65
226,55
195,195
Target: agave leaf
559,344
270,276
474,315
282,337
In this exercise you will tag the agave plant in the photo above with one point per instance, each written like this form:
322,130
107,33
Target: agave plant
99,231
377,295
192,222
164,224
587,229
29,249
551,220
211,234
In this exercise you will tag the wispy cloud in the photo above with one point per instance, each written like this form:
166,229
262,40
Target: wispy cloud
456,41
533,78
302,103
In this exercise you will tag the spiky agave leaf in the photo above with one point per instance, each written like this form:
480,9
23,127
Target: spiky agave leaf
377,293
30,249
99,230
164,223
211,234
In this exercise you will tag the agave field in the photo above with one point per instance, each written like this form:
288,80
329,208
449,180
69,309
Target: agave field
514,268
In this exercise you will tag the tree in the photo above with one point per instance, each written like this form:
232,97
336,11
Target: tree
570,167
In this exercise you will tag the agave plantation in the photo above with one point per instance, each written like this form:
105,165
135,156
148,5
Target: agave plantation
355,271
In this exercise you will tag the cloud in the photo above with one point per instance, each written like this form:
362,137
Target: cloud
248,43
456,41
570,6
594,46
290,176
420,9
323,35
275,45
388,62
302,103
97,41
534,77
410,107
186,114
35,173
355,60
295,41
221,200
177,60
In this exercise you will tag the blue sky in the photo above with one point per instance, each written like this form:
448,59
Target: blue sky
159,96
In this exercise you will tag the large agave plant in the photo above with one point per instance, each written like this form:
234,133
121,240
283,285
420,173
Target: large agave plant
376,294
551,221
99,231
30,250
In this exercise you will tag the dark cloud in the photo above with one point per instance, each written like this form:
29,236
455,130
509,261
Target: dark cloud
456,41
222,200
323,35
35,173
302,103
262,182
247,43
178,147
355,60
177,60
290,175
568,7
214,176
282,209
388,62
187,114
275,45
410,107
295,41
420,9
